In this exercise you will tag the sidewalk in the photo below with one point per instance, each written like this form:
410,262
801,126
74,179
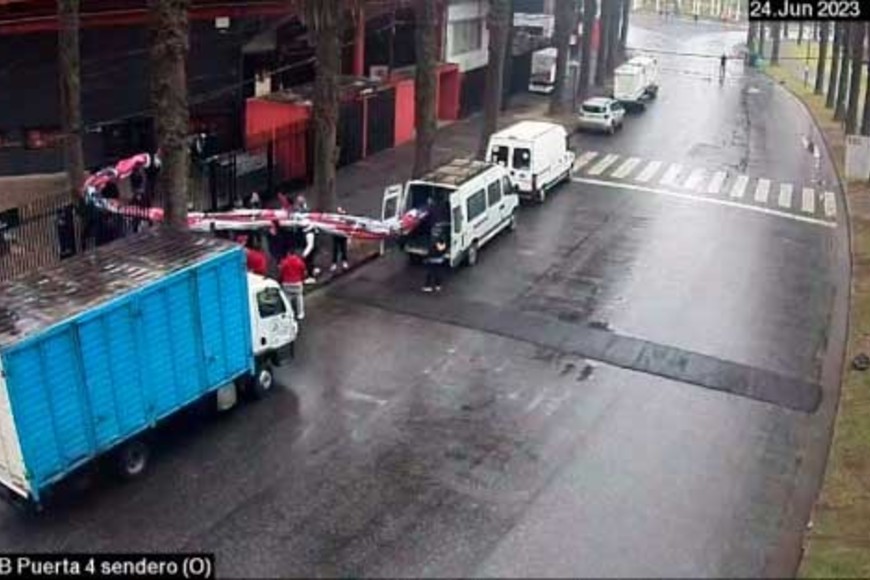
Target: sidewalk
838,544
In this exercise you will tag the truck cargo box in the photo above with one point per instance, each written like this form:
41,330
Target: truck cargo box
105,345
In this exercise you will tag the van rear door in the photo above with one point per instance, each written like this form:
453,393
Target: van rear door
394,202
457,229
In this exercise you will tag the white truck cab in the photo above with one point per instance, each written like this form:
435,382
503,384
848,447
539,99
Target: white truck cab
536,155
468,202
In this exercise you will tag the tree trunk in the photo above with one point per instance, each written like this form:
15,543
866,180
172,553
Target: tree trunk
856,36
865,124
565,19
623,31
613,37
508,61
168,63
823,55
499,29
776,36
843,86
834,80
751,35
425,84
70,93
589,9
603,43
761,38
323,18
800,37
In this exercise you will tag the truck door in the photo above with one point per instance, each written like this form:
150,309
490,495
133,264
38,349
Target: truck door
275,326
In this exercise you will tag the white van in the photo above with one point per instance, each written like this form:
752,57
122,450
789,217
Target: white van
543,74
636,82
472,199
535,153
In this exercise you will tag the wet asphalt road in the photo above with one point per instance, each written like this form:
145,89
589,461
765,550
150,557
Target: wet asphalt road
593,398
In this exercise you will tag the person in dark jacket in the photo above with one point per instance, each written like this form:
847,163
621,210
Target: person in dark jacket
435,260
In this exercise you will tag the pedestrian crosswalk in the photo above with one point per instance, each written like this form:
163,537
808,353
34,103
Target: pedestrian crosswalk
734,189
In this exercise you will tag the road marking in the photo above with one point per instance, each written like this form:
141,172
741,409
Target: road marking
762,190
670,176
717,182
584,160
602,165
710,200
808,200
626,168
785,191
739,187
830,204
695,179
648,171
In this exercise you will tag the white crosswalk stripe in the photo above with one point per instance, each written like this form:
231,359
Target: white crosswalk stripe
808,200
649,171
739,187
626,168
717,182
695,179
670,176
830,205
762,190
602,165
584,160
785,191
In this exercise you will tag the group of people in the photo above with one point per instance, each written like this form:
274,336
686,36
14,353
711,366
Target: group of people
293,254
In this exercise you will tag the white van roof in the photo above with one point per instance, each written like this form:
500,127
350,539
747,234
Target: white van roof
526,130
455,173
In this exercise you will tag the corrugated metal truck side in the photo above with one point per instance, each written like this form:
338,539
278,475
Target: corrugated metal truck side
92,382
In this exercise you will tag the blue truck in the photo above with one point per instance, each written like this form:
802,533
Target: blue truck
98,350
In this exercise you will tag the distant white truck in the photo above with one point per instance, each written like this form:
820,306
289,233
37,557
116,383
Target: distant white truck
543,74
636,82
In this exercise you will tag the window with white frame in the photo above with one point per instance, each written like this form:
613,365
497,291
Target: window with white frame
467,36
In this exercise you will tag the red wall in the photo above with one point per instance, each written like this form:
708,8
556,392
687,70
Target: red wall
448,93
286,126
404,128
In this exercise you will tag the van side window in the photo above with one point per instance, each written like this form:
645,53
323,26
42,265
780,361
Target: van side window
457,220
475,205
493,193
500,155
522,159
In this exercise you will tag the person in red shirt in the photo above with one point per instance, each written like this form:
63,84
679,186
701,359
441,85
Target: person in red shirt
291,274
256,258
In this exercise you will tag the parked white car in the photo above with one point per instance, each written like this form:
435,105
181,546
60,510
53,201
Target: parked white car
473,200
601,114
536,155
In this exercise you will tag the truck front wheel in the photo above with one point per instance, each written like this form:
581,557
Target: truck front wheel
131,460
262,381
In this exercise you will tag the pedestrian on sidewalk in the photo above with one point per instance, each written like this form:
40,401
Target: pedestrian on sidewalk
309,254
339,248
277,240
291,274
435,261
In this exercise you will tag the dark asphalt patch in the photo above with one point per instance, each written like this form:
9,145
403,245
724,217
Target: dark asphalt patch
594,343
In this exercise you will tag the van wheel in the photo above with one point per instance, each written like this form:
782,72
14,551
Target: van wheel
611,129
132,459
512,224
542,195
471,259
262,381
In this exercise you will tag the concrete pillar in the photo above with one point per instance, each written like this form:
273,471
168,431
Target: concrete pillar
359,44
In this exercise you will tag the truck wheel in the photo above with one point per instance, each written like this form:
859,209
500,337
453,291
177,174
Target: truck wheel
542,195
471,259
415,259
262,381
132,459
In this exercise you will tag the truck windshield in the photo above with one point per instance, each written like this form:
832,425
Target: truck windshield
270,303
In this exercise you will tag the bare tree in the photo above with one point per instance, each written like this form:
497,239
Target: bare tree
69,62
761,37
823,56
590,7
565,24
603,43
324,18
856,39
865,123
168,63
776,36
623,31
834,80
800,37
751,36
498,21
425,84
613,36
843,85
